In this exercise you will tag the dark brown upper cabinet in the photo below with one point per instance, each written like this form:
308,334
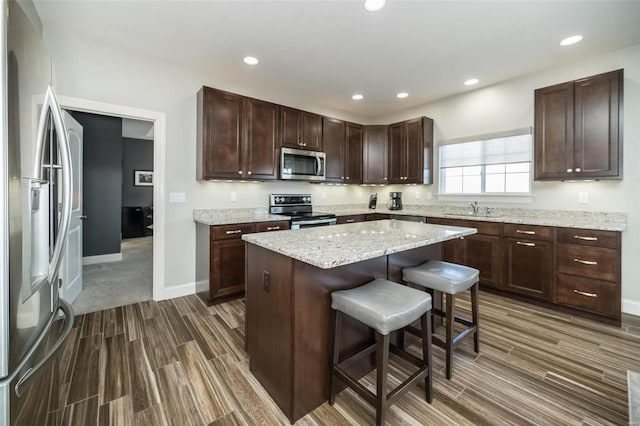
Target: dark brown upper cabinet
578,129
374,155
411,151
300,129
353,151
237,136
333,142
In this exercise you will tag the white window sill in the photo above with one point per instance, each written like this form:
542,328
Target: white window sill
524,198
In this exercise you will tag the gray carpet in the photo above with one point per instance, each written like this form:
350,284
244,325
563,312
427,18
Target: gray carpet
107,285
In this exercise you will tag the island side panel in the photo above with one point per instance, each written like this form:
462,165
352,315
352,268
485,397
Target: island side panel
312,327
269,322
203,241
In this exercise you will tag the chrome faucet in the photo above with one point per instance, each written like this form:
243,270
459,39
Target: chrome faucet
475,208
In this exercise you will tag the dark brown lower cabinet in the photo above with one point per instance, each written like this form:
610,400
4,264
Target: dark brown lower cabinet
529,267
227,257
484,252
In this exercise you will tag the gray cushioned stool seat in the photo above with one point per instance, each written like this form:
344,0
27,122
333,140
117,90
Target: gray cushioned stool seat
446,277
383,305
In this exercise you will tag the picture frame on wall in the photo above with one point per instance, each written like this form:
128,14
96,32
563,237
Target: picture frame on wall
143,178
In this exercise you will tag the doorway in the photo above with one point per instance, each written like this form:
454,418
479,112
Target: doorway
138,259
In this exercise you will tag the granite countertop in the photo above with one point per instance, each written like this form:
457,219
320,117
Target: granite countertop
233,216
331,246
562,218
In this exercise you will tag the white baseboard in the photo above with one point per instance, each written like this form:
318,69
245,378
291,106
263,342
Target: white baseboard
103,258
177,291
631,307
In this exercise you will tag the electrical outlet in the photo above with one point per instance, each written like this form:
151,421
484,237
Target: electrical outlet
324,195
583,197
234,196
417,193
177,197
429,195
266,281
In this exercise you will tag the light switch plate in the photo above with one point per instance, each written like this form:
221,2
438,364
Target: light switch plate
177,197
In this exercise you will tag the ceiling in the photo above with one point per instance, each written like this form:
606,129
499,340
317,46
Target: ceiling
329,50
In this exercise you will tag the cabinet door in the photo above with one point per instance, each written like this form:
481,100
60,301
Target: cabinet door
553,132
220,131
262,140
484,252
311,131
374,155
598,108
397,153
353,158
529,267
333,135
291,127
416,155
227,268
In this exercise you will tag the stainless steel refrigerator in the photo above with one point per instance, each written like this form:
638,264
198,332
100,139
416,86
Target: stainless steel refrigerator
35,194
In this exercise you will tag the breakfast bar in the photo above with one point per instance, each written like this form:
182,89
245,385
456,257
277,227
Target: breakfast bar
290,276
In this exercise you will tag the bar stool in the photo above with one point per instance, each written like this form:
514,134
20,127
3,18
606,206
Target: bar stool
451,279
385,307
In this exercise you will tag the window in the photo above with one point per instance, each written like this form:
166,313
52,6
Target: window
498,163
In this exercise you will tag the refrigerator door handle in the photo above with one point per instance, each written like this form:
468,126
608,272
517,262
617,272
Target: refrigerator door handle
68,325
51,104
33,371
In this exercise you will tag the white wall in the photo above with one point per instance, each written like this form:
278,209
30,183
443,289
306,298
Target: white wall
509,106
91,70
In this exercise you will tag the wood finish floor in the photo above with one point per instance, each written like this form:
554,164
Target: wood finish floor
178,362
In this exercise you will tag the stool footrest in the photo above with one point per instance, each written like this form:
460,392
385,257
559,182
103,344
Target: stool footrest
407,385
463,334
355,385
406,355
362,353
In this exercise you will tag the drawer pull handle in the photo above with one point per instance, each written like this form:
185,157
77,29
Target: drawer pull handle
586,262
350,220
525,232
584,293
235,231
520,243
272,228
580,237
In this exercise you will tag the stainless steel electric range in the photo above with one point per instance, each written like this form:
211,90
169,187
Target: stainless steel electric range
300,208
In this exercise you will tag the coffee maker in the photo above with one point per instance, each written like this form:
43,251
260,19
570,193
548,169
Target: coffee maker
395,201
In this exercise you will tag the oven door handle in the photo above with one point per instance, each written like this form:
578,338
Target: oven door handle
315,222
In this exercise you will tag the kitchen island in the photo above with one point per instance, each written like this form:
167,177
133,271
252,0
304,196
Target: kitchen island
290,276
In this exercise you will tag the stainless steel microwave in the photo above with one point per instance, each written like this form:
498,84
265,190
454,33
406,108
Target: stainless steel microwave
298,164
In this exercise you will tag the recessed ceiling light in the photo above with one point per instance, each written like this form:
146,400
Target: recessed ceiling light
402,95
250,60
357,97
571,40
373,5
471,82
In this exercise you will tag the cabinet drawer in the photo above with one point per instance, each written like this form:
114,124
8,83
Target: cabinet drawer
280,225
351,219
530,232
592,262
225,232
588,294
588,237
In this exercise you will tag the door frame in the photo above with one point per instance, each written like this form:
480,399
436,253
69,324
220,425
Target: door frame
159,175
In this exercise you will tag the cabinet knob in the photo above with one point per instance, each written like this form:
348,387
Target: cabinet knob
239,172
249,172
578,169
342,177
347,177
569,170
385,178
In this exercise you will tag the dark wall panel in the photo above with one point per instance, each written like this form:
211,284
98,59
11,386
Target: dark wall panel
102,183
137,155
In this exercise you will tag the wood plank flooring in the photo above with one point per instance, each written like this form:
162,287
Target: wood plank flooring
179,362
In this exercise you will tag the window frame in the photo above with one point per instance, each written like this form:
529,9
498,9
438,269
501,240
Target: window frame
516,195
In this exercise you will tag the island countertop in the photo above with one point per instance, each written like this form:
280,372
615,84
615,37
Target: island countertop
332,246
